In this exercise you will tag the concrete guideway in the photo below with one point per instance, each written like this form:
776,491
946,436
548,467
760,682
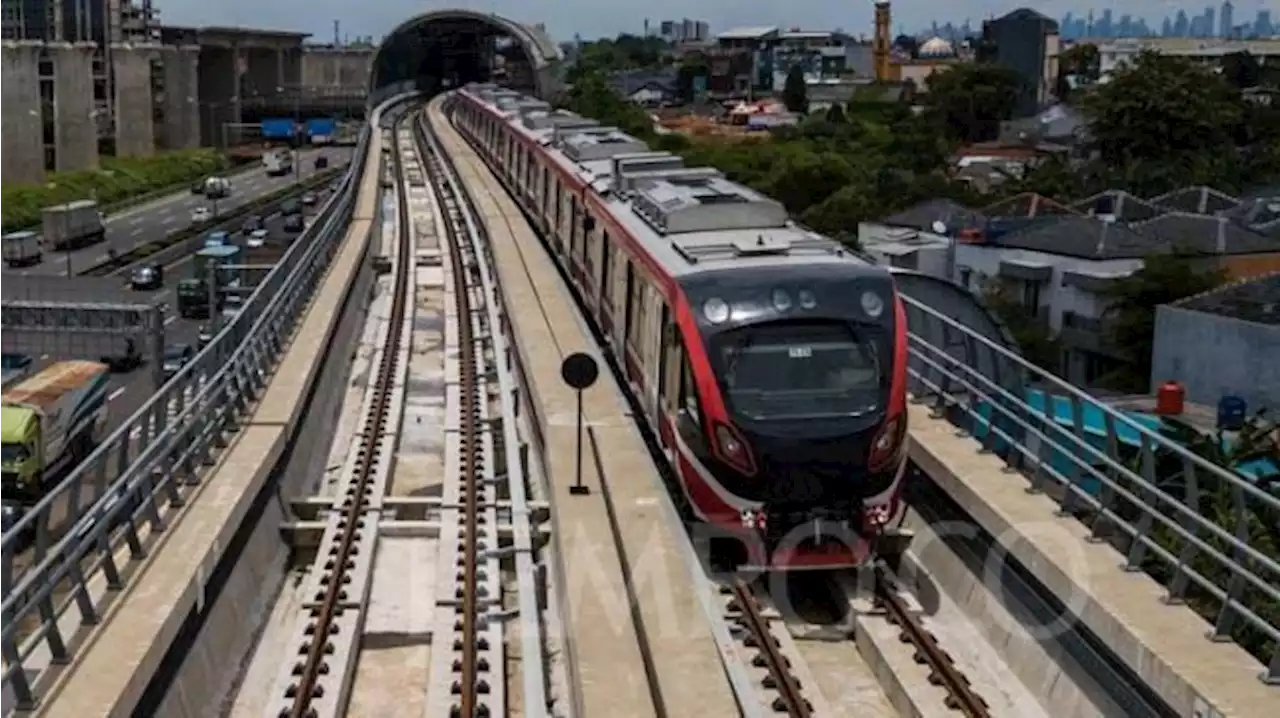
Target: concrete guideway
1165,645
110,674
608,665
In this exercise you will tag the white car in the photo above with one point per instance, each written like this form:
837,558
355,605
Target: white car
257,238
201,214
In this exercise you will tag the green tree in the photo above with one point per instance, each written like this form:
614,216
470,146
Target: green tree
838,216
835,114
1081,63
805,178
1241,69
1131,309
972,100
1162,109
795,94
1032,333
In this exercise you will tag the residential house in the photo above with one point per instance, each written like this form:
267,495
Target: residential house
1059,260
648,88
1222,343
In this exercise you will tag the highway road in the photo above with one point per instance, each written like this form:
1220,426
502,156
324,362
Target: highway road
157,219
129,391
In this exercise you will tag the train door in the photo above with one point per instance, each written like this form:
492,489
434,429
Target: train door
657,359
669,389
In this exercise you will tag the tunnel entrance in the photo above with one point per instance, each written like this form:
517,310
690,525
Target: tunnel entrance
447,49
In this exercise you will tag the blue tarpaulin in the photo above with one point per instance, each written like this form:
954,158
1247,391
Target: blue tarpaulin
321,127
277,128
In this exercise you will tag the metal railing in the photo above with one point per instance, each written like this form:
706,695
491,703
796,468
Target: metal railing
1136,488
71,536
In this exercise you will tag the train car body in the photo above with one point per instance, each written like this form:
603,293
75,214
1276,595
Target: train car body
769,361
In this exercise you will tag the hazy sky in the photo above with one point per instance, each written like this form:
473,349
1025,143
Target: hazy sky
594,18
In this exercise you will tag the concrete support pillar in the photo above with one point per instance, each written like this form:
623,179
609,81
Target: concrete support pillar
181,96
219,93
77,125
134,103
22,148
280,75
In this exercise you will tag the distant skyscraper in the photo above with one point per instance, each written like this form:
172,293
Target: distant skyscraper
1226,17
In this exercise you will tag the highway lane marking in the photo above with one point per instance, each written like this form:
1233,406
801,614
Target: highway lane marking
116,394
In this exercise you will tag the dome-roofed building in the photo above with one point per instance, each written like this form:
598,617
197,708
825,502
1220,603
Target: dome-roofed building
936,47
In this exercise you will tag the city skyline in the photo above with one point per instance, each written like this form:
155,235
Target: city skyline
592,19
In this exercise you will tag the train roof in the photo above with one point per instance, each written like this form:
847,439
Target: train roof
689,219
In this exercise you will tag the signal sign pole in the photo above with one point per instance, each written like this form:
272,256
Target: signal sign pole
580,371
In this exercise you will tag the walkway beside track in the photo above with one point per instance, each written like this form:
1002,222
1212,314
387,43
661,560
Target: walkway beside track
109,675
1164,645
602,632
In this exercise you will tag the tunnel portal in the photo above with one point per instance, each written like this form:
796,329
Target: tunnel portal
449,48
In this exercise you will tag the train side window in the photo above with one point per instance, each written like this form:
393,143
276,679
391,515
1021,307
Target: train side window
606,267
661,352
629,329
689,389
573,224
559,197
546,191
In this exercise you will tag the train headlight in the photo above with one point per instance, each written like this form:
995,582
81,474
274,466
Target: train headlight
781,300
872,304
807,299
716,310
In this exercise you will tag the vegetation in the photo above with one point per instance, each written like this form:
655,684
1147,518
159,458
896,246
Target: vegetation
119,180
1223,504
1131,310
1162,124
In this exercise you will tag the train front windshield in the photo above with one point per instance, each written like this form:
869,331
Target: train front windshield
801,370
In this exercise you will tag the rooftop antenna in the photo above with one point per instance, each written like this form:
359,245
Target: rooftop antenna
336,36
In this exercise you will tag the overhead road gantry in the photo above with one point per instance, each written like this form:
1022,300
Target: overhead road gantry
451,47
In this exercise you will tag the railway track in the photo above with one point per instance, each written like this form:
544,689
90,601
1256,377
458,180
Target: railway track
784,687
319,677
476,679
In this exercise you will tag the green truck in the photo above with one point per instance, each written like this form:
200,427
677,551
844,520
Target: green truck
193,292
52,419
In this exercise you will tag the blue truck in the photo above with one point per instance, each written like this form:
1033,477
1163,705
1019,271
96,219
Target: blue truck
321,130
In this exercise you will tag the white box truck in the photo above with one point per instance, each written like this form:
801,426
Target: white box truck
73,225
50,418
21,248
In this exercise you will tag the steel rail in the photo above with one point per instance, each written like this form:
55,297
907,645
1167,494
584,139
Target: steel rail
791,698
471,460
366,464
943,671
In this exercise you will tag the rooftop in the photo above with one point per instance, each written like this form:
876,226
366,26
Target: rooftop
1256,300
748,33
1114,224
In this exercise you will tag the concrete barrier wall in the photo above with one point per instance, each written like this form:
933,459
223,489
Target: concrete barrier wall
222,637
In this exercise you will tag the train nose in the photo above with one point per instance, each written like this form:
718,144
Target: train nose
812,473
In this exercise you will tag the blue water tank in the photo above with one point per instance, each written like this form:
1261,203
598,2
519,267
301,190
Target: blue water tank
1231,413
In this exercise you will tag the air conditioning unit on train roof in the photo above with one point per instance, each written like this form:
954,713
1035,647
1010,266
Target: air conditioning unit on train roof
631,181
701,200
599,143
556,118
637,162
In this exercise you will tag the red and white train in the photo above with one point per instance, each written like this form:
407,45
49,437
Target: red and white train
770,362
